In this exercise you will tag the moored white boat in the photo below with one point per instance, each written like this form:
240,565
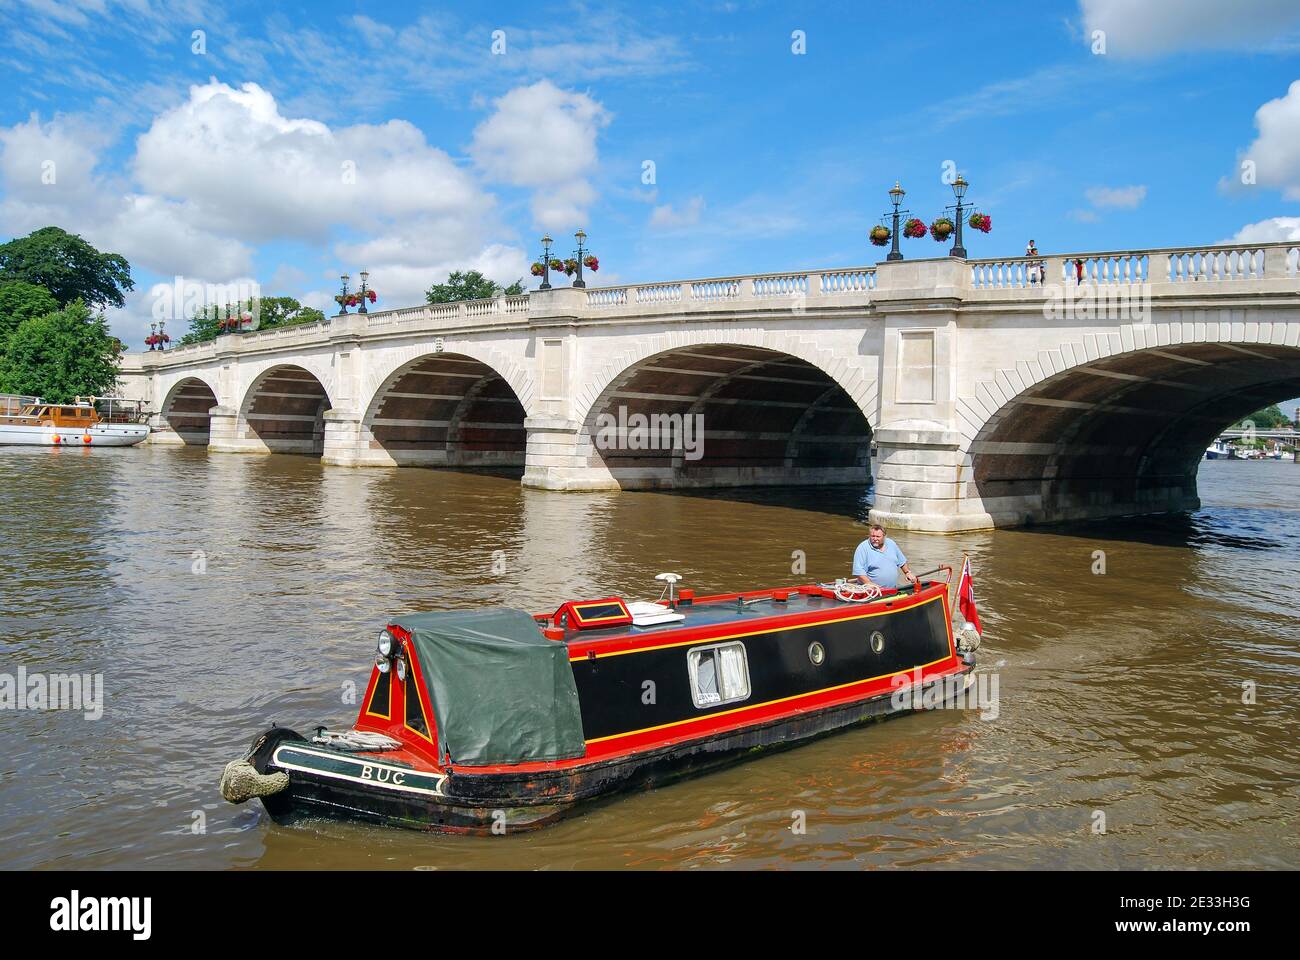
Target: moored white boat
30,421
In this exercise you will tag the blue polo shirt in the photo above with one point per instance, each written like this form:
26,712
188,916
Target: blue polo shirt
878,566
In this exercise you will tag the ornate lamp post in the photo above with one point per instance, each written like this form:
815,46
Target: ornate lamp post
578,281
365,275
153,335
546,262
162,334
896,195
343,303
959,191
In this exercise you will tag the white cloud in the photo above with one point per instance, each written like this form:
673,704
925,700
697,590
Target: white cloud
666,218
544,138
151,232
1273,230
247,168
217,176
1124,198
1275,154
1153,27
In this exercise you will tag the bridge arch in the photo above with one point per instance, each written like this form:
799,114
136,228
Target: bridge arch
446,409
1118,424
283,410
185,410
704,413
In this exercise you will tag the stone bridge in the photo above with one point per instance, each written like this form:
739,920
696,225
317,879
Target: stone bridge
995,392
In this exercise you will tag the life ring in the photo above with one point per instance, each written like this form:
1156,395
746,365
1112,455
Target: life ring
86,439
55,440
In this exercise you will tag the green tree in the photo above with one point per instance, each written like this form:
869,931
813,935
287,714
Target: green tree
68,267
19,301
1269,418
470,285
61,355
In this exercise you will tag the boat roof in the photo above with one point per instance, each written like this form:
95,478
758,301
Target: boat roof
723,609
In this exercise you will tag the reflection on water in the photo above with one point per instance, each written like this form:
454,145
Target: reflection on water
219,593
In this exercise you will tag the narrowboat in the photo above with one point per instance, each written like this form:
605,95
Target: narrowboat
99,421
497,720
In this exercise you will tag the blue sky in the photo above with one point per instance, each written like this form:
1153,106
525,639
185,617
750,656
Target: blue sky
224,155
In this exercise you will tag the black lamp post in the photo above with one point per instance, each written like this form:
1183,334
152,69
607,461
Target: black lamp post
365,275
546,263
896,195
153,335
162,334
578,281
959,190
343,304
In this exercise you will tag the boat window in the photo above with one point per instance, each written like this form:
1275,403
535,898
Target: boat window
414,715
380,699
719,674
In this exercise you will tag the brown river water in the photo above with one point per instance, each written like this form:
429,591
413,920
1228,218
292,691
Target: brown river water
217,593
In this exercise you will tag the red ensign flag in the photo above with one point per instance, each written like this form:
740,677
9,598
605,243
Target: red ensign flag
966,596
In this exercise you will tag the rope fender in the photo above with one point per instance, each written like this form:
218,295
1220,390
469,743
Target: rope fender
240,781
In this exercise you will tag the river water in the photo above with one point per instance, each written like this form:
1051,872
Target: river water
218,593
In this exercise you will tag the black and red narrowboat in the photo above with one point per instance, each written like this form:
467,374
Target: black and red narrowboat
496,720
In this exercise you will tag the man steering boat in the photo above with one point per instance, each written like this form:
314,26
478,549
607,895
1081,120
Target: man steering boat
877,560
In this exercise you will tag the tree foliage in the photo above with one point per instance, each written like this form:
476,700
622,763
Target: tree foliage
61,355
1269,418
469,285
19,301
68,267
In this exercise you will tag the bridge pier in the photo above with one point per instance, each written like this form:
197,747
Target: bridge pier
560,456
922,481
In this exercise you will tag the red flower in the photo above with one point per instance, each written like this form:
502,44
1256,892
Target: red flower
591,263
371,295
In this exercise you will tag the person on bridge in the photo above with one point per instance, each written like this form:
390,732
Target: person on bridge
878,560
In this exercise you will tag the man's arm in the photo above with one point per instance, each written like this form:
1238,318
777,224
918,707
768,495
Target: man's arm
908,573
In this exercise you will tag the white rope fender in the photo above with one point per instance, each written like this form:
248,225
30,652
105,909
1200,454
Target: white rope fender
240,781
853,591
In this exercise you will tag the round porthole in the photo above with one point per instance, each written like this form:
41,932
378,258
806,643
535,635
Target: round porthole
816,653
877,641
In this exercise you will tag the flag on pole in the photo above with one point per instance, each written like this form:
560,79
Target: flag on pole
966,596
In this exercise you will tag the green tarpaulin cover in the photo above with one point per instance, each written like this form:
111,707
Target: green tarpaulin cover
501,692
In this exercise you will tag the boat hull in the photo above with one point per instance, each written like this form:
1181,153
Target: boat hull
324,782
101,435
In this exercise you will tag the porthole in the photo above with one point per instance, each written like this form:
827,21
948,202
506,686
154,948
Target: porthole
877,641
816,653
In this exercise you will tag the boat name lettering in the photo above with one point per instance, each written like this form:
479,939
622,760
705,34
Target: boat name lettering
382,774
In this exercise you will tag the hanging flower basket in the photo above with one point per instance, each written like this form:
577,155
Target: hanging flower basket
981,221
372,296
557,265
570,267
914,228
880,235
591,263
941,229
537,269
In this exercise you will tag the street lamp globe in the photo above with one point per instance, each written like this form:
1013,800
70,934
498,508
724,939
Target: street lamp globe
897,193
959,186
